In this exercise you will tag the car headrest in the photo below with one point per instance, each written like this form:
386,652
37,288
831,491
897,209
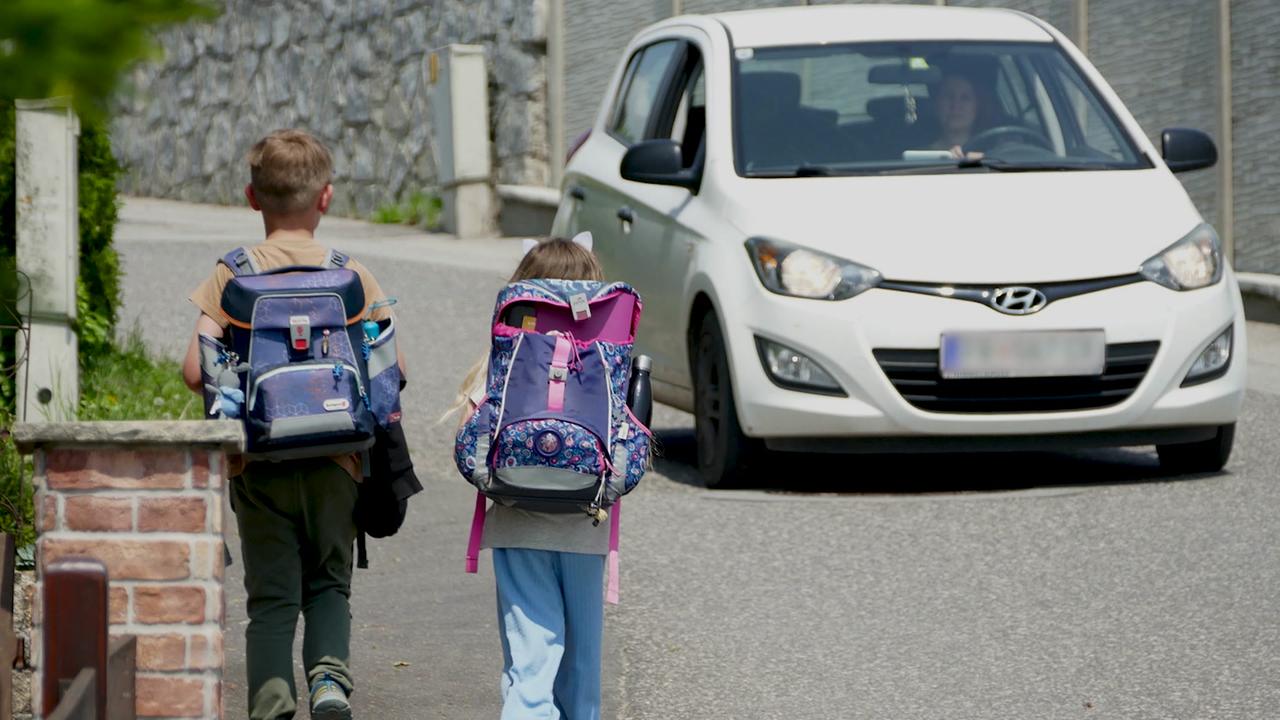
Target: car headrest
771,89
887,109
893,109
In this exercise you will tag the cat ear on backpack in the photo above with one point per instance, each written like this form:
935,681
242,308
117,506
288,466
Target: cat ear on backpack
582,240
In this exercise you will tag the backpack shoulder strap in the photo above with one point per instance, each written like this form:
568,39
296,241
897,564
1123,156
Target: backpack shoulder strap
241,262
335,259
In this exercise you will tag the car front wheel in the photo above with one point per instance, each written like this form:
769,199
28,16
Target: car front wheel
1199,457
724,452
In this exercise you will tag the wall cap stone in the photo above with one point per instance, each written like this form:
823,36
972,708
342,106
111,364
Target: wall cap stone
224,434
531,194
1259,284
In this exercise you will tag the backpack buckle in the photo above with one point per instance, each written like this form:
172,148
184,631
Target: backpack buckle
559,372
300,332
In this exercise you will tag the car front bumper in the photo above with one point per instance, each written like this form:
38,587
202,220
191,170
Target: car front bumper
841,336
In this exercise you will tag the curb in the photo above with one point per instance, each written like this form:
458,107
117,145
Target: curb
1261,292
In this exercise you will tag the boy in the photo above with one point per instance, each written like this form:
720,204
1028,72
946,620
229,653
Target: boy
296,517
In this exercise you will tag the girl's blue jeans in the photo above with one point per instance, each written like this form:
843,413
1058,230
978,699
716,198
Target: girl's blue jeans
551,620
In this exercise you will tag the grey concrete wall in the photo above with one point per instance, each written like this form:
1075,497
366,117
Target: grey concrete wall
1162,59
352,72
1058,13
1255,89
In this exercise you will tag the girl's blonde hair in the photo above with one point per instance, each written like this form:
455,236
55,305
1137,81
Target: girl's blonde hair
552,257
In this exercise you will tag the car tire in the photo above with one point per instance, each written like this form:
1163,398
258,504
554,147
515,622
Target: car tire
725,454
1205,456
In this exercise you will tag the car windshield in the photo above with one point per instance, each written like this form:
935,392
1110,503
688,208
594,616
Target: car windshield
927,107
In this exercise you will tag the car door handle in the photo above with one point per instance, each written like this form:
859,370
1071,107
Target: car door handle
625,214
577,192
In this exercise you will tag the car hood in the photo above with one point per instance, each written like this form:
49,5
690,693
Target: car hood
970,227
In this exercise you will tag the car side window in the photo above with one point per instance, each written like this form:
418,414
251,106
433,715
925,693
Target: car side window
647,69
690,122
1100,136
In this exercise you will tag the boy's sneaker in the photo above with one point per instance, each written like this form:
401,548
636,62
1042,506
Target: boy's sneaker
329,700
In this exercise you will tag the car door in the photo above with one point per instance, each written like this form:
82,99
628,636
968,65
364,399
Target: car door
636,238
660,236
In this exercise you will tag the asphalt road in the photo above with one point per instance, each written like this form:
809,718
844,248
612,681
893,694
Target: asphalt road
1086,585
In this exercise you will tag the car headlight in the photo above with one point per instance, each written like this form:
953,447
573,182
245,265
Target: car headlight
789,269
1193,262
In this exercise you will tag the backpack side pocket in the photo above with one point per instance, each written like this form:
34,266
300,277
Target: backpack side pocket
471,447
214,361
630,456
384,374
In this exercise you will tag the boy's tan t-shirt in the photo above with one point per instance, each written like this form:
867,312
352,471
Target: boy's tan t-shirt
275,253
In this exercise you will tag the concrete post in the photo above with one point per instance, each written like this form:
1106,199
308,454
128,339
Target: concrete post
458,87
555,88
48,246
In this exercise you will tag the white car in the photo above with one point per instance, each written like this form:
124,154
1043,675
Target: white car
889,229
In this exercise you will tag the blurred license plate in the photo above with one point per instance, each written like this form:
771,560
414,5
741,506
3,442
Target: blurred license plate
1048,353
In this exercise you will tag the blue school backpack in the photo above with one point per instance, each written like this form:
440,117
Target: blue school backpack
305,370
553,432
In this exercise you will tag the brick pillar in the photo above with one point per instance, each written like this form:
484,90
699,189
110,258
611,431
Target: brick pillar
145,498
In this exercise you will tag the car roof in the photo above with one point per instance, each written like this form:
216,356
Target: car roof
800,25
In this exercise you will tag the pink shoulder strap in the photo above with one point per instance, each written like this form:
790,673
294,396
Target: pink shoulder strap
611,590
477,533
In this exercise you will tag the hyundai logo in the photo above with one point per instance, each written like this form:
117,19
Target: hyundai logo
1018,300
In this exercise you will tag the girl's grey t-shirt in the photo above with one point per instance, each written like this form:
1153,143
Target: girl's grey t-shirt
509,527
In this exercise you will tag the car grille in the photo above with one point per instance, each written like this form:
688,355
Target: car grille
916,376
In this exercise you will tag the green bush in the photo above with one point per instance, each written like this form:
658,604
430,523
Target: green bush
98,292
421,209
17,496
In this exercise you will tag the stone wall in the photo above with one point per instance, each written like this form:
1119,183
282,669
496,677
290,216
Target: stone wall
146,500
1255,80
352,72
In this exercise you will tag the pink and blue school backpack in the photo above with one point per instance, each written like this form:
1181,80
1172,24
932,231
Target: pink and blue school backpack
311,375
553,432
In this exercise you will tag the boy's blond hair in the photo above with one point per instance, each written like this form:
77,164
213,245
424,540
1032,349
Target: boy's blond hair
289,169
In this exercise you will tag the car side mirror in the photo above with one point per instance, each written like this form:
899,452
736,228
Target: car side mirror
659,162
1185,149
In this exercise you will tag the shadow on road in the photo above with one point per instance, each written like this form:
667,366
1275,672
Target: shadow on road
924,472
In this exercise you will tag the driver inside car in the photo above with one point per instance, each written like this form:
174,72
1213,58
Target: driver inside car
964,108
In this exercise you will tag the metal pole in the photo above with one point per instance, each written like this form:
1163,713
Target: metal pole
1226,169
555,89
677,7
1082,25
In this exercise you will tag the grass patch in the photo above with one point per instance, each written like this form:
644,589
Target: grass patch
421,209
128,383
123,382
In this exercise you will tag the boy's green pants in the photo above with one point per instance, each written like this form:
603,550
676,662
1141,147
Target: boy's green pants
297,527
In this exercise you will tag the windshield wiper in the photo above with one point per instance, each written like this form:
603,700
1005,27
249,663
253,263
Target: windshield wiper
803,170
994,164
1005,166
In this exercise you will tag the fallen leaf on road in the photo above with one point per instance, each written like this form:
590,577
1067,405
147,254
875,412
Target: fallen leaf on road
400,663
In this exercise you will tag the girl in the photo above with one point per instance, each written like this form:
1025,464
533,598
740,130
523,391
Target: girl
549,567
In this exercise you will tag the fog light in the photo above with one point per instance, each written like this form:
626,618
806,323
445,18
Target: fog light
795,370
1212,362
